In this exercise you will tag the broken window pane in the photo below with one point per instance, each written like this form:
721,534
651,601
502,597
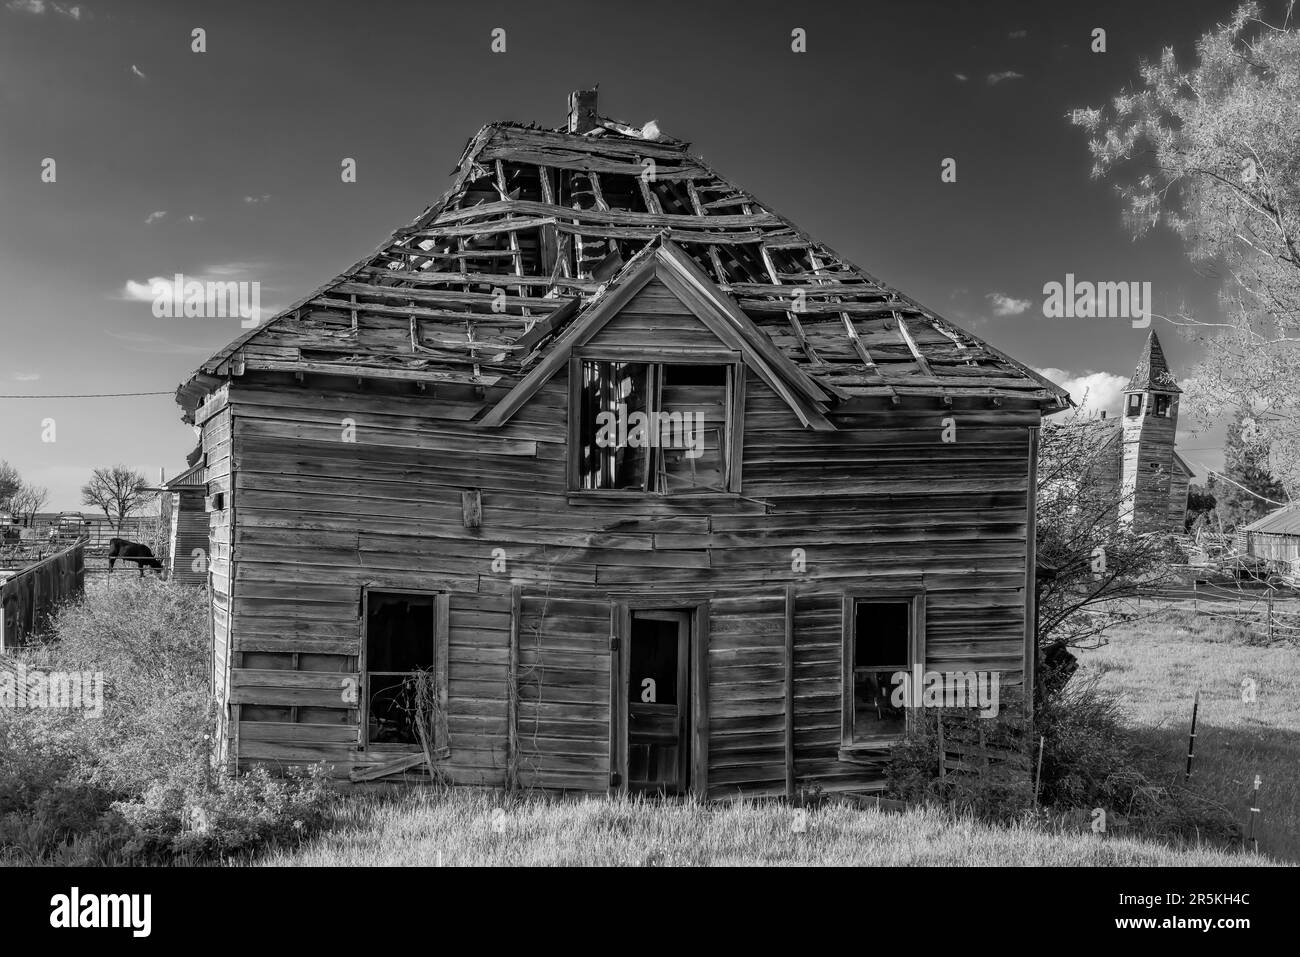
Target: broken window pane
653,427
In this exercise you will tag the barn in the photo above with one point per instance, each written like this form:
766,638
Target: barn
601,475
1275,539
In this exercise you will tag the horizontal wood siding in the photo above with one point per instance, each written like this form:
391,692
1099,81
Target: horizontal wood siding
338,487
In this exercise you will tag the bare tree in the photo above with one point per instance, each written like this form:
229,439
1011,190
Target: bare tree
117,492
28,500
10,483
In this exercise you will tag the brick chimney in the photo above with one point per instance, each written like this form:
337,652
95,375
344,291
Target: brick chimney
582,111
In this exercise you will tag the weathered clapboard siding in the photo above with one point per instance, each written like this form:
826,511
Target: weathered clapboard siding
214,423
326,506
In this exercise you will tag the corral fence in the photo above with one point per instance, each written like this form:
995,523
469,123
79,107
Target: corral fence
30,592
1266,610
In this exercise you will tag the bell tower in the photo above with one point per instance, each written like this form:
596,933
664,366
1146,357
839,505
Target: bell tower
1150,419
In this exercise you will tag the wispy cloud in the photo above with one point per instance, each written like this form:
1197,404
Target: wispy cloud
961,77
40,7
996,78
1004,305
153,217
138,72
251,200
27,376
1094,391
193,218
1018,34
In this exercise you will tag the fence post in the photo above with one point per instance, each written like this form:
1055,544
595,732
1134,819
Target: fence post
1253,804
1270,614
1191,737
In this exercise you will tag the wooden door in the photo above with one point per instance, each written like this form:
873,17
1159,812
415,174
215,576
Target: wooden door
658,701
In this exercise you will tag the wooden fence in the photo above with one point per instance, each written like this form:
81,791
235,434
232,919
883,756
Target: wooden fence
1269,612
29,595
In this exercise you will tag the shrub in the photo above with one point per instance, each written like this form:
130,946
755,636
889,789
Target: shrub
238,817
132,783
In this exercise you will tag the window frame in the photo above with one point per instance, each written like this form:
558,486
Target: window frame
441,639
914,597
734,421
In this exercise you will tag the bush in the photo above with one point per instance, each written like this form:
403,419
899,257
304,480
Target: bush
1089,761
239,817
1001,793
133,783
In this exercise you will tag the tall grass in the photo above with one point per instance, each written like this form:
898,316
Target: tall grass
463,827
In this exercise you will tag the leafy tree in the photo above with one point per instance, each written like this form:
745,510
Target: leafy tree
1090,564
1200,503
117,492
1249,490
1212,150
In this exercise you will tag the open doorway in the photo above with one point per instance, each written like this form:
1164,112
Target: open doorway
658,694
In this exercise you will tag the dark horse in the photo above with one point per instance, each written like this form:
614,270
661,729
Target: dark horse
131,552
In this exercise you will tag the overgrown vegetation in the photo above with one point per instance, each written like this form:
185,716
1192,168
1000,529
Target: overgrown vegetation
132,784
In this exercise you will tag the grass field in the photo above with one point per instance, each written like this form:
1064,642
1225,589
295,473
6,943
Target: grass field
467,828
1157,665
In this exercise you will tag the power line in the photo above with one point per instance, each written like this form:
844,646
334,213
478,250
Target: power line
86,395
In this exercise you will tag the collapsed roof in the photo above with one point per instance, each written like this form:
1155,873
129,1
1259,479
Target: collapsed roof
539,223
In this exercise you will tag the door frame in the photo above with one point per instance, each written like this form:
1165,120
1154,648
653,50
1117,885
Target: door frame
697,714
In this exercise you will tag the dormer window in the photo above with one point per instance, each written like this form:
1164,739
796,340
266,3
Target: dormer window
654,427
1134,406
1162,406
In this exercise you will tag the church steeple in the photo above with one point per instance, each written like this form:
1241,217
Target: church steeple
1152,372
1150,497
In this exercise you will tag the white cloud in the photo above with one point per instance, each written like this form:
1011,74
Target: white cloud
996,78
1093,392
136,70
961,77
193,218
155,286
153,217
1004,305
257,199
26,6
27,376
1018,34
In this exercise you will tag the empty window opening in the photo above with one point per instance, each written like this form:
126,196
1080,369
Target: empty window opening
400,641
880,647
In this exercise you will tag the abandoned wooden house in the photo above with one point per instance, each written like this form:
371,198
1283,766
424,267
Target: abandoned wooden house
642,486
184,523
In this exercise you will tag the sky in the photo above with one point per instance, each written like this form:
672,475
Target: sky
226,164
